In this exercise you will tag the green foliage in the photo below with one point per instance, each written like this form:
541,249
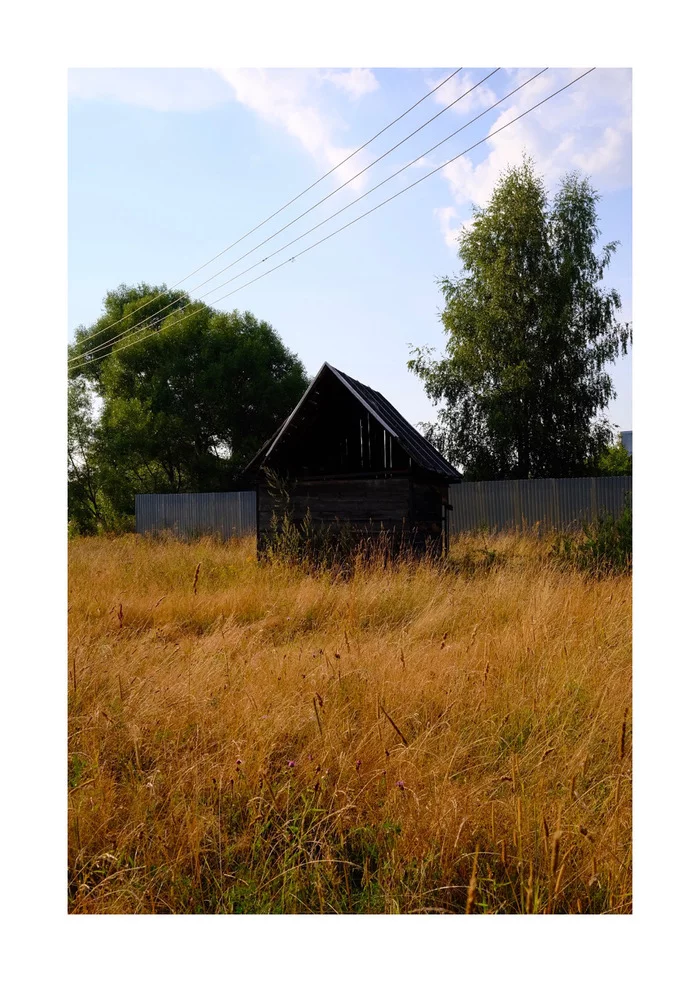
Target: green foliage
529,332
603,548
183,410
76,766
614,461
83,488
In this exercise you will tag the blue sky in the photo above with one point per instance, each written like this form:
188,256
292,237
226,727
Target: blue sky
166,167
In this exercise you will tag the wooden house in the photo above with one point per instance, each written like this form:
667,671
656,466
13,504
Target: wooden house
345,459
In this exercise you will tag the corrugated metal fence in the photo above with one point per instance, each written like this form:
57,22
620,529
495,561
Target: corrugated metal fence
225,513
554,503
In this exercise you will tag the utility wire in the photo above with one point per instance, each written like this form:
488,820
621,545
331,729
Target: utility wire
131,330
371,190
235,262
364,214
290,202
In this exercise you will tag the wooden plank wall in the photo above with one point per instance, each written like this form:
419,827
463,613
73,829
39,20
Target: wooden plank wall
411,511
353,502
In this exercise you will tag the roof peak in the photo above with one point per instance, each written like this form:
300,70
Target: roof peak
413,442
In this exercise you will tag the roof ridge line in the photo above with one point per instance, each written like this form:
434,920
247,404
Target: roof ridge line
417,446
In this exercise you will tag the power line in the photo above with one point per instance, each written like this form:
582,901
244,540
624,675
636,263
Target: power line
134,327
376,186
131,330
364,214
370,210
290,202
107,344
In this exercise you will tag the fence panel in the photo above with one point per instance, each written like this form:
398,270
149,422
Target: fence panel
551,503
225,513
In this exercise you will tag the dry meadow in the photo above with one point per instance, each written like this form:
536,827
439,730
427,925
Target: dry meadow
427,737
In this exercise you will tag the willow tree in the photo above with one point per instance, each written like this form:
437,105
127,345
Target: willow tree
523,384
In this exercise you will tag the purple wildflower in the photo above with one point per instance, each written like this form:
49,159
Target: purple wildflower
400,785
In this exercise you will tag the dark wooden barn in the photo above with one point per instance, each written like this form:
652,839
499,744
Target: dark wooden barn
345,459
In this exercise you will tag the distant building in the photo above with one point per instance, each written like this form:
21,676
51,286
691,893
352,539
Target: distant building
626,437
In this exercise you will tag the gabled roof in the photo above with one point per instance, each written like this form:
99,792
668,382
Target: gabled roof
407,436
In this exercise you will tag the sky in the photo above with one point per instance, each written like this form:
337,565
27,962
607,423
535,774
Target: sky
167,167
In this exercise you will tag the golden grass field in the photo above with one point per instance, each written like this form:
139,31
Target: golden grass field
250,738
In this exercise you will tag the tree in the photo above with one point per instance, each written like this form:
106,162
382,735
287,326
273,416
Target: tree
614,461
529,333
191,403
83,501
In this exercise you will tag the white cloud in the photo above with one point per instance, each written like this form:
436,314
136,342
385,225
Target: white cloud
607,156
162,89
355,81
586,127
294,100
301,101
450,231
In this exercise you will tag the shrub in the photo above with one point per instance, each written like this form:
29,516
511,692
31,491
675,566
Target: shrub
603,548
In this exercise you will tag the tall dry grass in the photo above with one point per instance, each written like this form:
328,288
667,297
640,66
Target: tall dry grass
247,737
